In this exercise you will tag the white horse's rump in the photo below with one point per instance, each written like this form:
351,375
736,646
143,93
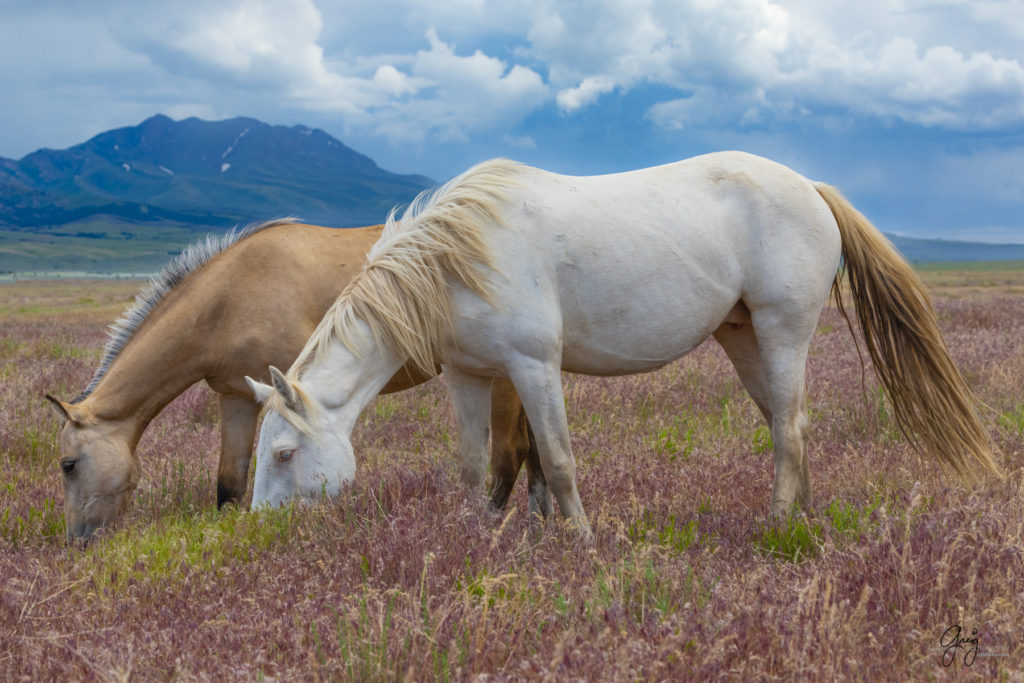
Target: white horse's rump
610,275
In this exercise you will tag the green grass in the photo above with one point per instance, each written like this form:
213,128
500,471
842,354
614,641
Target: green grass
674,440
162,551
635,585
848,519
46,521
1013,420
762,440
674,536
482,588
793,539
799,538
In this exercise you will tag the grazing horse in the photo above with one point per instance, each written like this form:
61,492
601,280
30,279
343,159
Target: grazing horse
224,309
512,271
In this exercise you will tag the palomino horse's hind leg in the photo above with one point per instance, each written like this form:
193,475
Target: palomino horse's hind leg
783,346
507,436
471,397
238,416
540,494
540,388
512,443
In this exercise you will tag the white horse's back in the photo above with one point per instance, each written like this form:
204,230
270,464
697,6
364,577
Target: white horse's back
633,270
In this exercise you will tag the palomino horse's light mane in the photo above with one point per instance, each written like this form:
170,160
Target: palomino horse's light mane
154,291
402,293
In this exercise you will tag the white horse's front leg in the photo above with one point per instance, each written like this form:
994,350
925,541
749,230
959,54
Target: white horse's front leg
540,388
471,397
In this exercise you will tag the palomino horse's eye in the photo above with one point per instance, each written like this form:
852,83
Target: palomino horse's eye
68,466
285,455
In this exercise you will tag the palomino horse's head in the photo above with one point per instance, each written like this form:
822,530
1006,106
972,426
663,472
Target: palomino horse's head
299,453
99,470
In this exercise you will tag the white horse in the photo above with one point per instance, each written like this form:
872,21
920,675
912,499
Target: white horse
512,271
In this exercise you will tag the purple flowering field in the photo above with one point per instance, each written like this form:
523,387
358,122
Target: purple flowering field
896,572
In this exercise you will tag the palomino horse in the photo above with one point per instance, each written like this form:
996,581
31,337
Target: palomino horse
224,309
511,271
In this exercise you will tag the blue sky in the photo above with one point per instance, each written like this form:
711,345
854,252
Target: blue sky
914,108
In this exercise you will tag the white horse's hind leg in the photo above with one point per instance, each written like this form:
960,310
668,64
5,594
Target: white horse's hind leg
471,397
540,388
783,345
740,344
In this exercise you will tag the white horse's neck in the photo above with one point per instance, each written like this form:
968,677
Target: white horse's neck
344,382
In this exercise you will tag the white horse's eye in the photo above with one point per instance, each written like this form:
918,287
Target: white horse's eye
285,454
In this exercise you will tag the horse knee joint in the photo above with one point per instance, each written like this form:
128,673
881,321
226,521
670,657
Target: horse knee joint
560,476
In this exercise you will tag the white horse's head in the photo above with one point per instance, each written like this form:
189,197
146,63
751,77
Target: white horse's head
298,453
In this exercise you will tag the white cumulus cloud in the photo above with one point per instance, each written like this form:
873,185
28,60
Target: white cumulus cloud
432,91
739,61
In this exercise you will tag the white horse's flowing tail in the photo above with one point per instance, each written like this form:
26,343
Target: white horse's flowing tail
931,401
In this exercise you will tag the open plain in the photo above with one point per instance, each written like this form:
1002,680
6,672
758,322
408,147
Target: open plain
408,576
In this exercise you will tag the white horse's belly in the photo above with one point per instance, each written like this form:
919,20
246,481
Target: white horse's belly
617,336
602,311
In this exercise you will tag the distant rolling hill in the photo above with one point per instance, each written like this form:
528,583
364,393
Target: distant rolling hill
918,250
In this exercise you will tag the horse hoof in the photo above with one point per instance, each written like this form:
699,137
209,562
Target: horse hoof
584,534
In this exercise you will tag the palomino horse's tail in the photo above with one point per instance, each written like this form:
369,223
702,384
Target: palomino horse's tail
931,402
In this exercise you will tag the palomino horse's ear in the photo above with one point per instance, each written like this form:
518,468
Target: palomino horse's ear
285,388
67,411
260,390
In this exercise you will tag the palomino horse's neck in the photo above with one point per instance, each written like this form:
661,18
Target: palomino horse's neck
139,384
160,361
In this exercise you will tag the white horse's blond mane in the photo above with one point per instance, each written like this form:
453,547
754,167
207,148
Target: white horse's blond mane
309,422
402,294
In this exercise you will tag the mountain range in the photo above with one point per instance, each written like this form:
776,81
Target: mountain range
203,174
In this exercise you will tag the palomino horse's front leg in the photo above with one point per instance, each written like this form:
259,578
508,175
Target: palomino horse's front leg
540,388
471,397
512,443
238,416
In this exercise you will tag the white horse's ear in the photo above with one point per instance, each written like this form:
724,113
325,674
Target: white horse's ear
260,390
285,388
